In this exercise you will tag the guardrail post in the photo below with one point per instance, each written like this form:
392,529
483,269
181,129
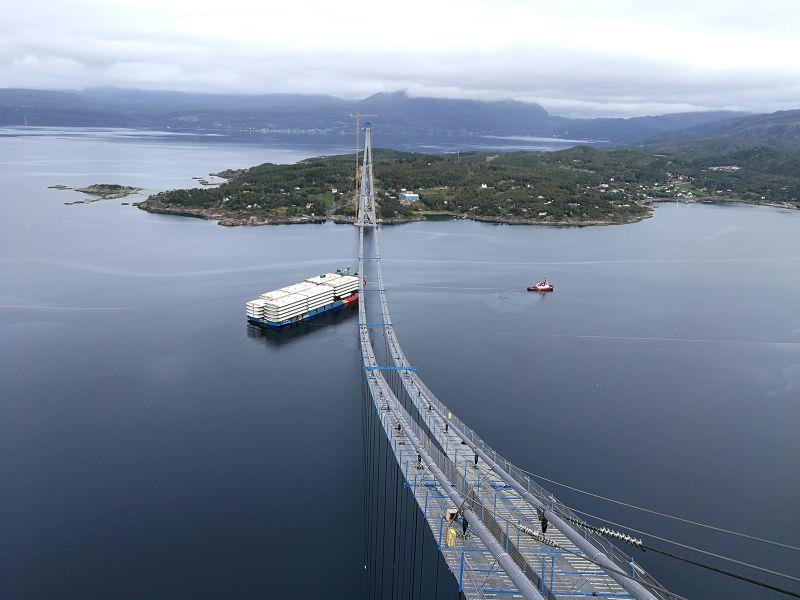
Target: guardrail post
461,573
552,570
541,581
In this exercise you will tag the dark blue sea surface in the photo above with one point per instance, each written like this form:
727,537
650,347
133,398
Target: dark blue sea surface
152,446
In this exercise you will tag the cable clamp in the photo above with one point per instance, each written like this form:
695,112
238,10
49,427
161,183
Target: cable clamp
622,537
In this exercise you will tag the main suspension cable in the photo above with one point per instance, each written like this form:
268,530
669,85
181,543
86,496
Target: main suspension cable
680,544
646,547
662,514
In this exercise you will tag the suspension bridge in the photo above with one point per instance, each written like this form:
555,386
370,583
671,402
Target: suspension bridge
430,482
498,532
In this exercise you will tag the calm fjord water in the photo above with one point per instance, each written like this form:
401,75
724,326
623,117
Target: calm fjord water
151,447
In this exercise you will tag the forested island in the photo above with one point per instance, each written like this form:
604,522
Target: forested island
579,186
99,191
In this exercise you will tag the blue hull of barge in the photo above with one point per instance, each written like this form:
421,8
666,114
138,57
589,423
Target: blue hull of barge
305,316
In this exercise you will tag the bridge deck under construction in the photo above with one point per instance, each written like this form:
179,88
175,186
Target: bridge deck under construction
454,476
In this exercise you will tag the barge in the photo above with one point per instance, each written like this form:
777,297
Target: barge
303,301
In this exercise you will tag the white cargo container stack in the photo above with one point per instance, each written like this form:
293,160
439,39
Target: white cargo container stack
342,285
307,296
324,279
346,285
285,307
297,288
255,309
317,295
273,295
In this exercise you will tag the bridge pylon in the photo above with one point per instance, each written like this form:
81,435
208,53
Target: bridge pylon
366,193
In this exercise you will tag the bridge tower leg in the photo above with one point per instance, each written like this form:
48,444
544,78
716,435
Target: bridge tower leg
366,194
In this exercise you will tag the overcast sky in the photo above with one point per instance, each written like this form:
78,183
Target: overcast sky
576,57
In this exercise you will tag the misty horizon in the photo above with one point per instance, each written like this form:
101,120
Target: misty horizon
582,60
210,94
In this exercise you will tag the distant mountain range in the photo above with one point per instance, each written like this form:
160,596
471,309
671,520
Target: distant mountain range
779,131
399,115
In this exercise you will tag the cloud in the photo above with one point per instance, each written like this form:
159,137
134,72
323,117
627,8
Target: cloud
584,58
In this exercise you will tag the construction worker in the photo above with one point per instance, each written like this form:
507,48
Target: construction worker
451,537
542,519
464,525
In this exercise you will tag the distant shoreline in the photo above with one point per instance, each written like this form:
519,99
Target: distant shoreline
716,200
257,221
253,221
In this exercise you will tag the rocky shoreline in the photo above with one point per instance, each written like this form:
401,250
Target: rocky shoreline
718,200
257,221
562,223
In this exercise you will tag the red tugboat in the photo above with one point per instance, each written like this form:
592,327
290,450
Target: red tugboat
542,286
